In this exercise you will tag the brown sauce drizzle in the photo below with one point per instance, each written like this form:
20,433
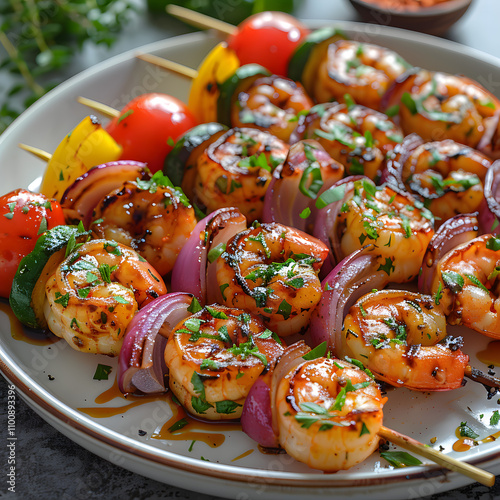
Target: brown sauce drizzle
491,355
112,393
243,455
466,443
193,430
18,332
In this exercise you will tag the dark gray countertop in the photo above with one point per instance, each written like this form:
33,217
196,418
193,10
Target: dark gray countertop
49,465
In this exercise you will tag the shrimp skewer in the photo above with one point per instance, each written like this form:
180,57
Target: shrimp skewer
95,292
440,106
358,137
272,270
236,170
328,414
401,337
447,176
466,285
150,216
272,103
398,226
215,356
365,71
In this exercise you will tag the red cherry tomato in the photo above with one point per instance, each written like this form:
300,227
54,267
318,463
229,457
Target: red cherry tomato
268,39
23,217
147,127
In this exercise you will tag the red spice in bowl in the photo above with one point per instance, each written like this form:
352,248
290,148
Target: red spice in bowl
427,16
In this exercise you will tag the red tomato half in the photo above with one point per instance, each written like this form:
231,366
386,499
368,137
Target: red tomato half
147,127
23,217
268,39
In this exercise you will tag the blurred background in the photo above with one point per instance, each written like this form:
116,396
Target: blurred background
44,42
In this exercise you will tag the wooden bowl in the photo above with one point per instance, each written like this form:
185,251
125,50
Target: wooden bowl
432,20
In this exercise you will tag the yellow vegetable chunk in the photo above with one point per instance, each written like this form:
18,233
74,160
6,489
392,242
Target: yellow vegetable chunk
216,68
85,147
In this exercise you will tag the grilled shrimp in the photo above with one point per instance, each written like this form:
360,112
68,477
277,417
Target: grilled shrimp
440,106
236,169
271,103
398,226
328,414
215,356
363,70
358,137
401,337
467,286
447,176
152,217
95,292
272,270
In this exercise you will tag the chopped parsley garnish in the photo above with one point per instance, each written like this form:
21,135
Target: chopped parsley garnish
246,349
227,407
466,431
400,459
318,352
178,425
331,195
102,372
454,281
495,418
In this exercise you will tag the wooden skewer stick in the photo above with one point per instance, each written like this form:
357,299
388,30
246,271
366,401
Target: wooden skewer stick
410,444
180,69
39,153
200,20
491,382
105,110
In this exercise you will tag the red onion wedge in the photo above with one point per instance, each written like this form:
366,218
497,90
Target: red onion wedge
451,233
356,275
190,270
292,193
80,199
258,419
490,141
489,212
393,171
141,364
324,226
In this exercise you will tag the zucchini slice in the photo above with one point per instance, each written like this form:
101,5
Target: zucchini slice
28,288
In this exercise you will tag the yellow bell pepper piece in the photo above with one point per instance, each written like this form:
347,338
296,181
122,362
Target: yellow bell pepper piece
216,68
85,147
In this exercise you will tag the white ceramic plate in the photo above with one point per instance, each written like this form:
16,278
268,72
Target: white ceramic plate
116,439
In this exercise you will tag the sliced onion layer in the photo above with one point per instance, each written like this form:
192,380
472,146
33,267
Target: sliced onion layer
356,275
490,141
451,233
298,183
393,171
489,212
256,417
326,219
190,270
141,364
80,199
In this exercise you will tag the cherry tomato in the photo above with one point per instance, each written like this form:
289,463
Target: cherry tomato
268,39
148,126
23,217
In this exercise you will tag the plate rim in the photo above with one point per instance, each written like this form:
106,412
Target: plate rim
34,392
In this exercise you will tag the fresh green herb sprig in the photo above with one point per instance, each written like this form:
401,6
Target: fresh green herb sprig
41,37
